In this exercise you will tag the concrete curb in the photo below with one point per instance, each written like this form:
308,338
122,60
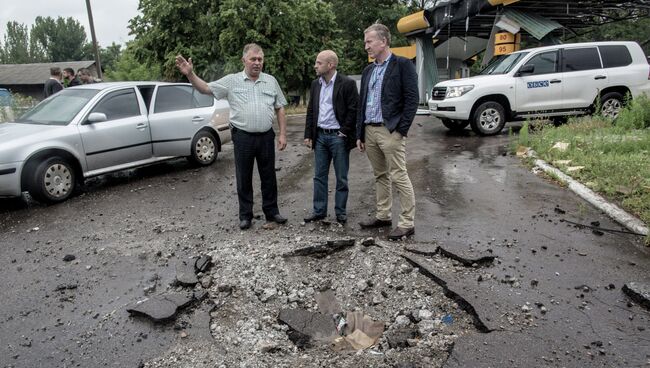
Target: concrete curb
615,212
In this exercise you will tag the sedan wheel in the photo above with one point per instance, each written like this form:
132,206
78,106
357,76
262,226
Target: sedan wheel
204,148
53,181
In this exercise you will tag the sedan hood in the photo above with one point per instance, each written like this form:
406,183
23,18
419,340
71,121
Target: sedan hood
11,131
15,135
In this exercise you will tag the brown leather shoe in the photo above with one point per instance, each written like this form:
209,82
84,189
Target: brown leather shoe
400,232
375,223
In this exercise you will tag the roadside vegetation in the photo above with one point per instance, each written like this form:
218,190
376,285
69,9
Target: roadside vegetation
16,107
610,157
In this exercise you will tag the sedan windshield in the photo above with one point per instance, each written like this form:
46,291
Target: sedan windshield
503,64
59,109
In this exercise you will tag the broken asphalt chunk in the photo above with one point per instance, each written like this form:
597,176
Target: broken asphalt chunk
422,249
311,326
323,249
185,273
480,323
466,259
62,287
638,292
69,258
161,308
203,263
453,251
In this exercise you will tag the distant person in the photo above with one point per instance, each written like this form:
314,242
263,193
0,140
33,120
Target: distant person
330,130
53,84
85,76
69,78
388,103
255,99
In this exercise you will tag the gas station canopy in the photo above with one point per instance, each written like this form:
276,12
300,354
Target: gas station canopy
459,18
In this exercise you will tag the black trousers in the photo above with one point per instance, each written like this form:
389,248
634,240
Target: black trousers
250,148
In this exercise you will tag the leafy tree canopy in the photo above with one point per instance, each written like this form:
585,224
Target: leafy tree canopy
16,45
167,28
57,39
291,32
128,68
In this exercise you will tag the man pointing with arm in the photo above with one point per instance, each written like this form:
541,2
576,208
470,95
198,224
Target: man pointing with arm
255,99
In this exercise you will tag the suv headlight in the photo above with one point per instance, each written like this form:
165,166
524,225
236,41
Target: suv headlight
458,91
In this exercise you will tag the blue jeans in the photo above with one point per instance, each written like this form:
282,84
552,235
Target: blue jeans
329,147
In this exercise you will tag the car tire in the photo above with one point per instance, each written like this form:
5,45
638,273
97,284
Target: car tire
488,119
611,104
204,148
455,125
53,180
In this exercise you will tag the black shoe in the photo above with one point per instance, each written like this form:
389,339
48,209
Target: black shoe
342,219
245,224
314,217
278,219
374,223
401,232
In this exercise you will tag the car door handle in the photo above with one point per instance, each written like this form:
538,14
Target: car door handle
141,126
600,77
197,119
553,81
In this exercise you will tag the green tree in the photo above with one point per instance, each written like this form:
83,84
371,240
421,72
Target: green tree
128,68
60,39
167,28
291,32
637,29
16,44
354,16
109,55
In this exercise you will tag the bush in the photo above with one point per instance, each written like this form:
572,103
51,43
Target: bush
18,105
636,115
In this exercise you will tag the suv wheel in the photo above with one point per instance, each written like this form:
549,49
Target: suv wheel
489,118
53,181
204,148
455,125
611,104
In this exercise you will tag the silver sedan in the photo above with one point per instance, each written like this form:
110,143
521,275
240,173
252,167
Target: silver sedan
94,129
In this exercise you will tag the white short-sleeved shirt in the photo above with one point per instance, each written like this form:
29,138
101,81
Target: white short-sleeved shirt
252,103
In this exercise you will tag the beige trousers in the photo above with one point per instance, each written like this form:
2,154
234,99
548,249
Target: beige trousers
387,155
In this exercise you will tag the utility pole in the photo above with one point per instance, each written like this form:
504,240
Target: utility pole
92,34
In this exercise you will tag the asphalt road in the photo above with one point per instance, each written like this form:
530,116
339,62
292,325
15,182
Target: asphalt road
471,197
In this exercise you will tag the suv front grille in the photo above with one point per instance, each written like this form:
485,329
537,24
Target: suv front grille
438,93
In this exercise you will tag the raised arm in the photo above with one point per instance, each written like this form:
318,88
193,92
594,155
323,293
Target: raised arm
187,68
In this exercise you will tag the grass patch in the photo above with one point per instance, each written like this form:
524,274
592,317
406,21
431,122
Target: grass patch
611,158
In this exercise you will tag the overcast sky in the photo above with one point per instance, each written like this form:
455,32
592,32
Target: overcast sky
111,16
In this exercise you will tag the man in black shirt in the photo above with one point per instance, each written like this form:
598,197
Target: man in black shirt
70,79
53,85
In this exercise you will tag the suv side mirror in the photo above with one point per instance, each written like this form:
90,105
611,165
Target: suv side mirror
526,69
96,117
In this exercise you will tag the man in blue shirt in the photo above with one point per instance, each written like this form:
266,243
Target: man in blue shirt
388,103
330,130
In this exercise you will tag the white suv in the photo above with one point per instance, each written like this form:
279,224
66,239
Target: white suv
551,82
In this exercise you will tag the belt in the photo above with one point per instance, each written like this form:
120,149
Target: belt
328,131
233,129
374,123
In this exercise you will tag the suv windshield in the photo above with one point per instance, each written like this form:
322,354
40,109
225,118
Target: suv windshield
60,109
503,64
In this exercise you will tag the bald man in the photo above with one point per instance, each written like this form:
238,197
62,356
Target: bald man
330,130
